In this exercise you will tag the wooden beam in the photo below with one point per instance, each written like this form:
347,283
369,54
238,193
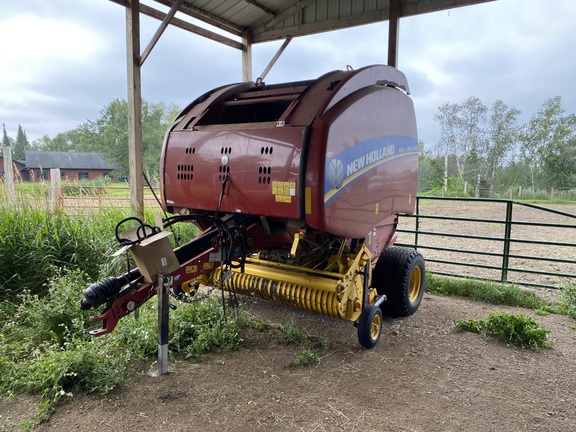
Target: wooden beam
161,28
207,17
8,168
147,10
261,7
135,160
247,56
393,18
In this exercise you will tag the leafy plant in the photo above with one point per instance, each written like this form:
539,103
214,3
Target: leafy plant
568,301
290,332
516,330
305,358
199,328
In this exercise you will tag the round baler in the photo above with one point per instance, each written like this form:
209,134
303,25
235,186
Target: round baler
297,188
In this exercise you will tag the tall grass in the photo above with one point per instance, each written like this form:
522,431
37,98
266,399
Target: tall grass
35,241
484,291
503,294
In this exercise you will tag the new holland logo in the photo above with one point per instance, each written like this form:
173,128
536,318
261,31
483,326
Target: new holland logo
335,173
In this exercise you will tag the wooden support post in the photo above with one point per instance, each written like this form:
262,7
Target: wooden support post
247,56
8,169
135,160
56,195
393,18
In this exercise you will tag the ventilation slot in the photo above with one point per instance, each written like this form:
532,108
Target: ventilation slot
185,172
224,171
264,175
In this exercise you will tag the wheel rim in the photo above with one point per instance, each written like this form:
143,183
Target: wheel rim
375,327
415,284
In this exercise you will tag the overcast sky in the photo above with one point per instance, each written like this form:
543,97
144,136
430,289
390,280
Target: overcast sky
62,61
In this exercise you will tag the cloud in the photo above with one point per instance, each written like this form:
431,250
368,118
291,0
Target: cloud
64,61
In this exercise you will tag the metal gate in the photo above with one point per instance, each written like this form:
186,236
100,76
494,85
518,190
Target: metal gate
496,240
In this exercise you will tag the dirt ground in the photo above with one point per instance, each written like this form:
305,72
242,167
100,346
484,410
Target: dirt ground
422,376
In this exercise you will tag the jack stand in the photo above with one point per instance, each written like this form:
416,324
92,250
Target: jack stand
163,315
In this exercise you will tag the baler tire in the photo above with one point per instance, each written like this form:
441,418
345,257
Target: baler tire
370,326
400,275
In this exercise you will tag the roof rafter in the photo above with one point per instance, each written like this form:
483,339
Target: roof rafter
147,10
207,17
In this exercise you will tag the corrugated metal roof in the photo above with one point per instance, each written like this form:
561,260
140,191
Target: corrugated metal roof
67,160
277,19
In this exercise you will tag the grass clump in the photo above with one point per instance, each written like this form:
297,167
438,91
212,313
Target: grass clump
45,348
291,333
503,294
514,329
486,292
35,242
199,328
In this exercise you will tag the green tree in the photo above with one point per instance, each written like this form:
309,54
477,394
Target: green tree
21,144
502,135
109,135
462,130
6,141
548,146
476,142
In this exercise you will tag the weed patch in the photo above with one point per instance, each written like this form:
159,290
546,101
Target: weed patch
305,358
290,333
516,330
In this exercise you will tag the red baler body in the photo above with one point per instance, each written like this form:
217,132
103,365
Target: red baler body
339,153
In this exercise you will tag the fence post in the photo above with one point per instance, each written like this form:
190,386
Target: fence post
8,169
56,195
417,222
507,235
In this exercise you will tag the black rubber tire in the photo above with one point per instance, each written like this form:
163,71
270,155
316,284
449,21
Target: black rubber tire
370,326
400,274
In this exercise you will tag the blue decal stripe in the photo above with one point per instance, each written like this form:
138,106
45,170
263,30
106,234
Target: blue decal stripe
332,193
362,154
